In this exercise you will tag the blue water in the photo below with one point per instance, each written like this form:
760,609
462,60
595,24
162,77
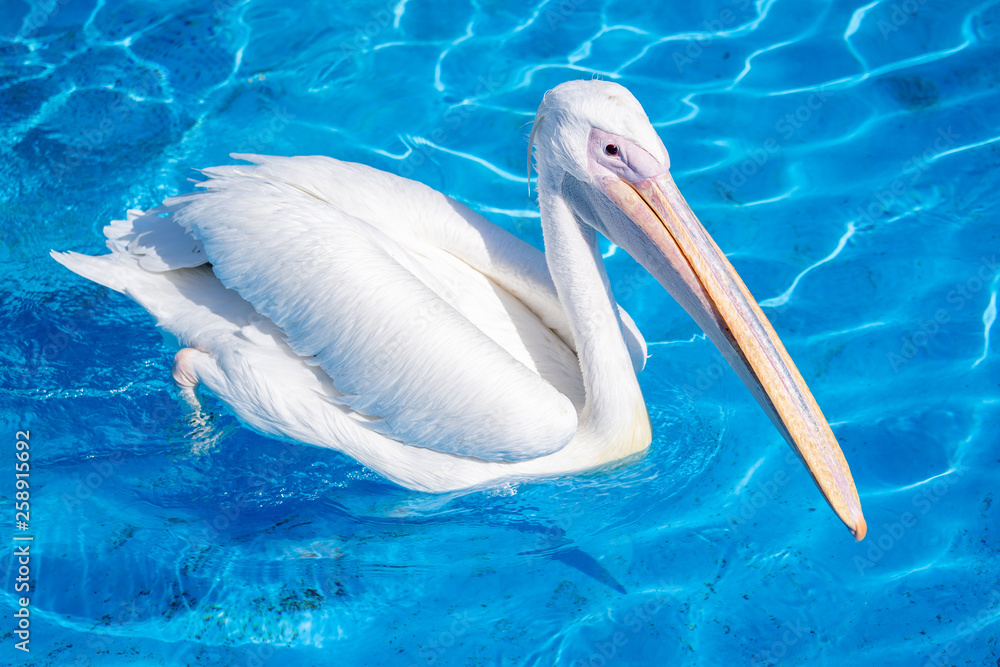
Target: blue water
843,154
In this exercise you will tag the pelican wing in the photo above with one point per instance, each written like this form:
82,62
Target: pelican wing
363,307
422,220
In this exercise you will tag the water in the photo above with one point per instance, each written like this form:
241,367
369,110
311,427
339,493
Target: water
844,155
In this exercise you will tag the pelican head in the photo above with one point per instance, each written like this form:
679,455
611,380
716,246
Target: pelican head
596,150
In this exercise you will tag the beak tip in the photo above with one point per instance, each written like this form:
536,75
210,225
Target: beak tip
860,529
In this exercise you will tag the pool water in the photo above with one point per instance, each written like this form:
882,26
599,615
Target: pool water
843,154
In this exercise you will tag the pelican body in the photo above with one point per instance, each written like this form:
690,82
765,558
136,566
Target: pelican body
337,305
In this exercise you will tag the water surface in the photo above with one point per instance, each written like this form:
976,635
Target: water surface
843,154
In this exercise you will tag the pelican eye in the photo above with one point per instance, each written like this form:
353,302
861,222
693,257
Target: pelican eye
611,149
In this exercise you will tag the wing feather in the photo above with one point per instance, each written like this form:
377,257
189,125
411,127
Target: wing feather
440,223
348,295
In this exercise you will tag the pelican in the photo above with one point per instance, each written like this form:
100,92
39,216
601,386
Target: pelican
334,304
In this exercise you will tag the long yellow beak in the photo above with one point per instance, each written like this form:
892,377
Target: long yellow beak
689,264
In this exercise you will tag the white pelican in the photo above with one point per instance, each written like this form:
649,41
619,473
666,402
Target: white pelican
338,305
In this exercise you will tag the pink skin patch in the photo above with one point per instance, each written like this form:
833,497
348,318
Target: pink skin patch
613,155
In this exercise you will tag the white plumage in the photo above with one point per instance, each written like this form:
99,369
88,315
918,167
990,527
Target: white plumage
443,332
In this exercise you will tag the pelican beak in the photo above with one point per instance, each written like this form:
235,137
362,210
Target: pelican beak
674,247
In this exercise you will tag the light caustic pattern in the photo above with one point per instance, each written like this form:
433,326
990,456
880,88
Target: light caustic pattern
843,154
